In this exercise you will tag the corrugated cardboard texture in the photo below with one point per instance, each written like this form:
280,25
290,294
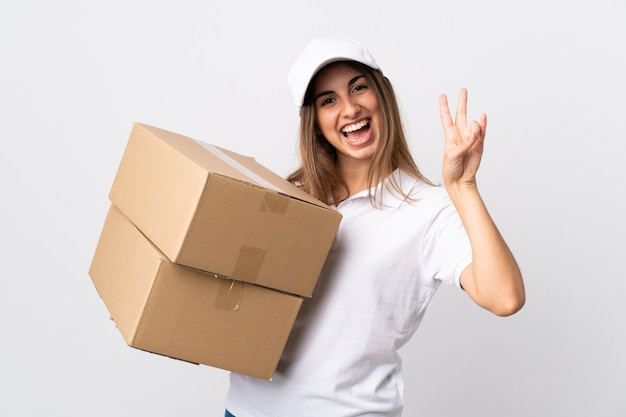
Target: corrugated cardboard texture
164,308
203,211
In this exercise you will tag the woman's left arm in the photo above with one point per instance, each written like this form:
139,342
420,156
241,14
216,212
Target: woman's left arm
493,280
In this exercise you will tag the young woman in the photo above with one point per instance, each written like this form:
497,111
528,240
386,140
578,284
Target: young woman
400,238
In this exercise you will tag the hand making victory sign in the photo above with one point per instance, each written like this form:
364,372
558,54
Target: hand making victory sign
493,280
464,143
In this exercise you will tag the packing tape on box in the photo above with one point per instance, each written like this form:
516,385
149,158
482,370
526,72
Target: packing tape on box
247,172
249,263
273,203
229,295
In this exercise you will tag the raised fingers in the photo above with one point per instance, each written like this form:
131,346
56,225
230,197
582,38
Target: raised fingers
444,112
479,128
461,109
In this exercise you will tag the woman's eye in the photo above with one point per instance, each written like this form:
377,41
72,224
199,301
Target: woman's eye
359,87
326,101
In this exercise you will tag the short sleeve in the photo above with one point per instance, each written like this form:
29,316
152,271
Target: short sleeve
446,247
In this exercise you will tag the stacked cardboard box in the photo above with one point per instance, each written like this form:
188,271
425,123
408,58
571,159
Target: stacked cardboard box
205,255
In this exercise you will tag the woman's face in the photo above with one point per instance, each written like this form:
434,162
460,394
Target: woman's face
347,113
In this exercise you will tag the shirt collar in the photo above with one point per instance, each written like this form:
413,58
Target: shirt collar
387,193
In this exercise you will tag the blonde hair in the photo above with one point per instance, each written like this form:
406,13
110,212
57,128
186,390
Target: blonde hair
319,174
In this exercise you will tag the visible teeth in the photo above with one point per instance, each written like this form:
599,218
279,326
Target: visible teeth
354,127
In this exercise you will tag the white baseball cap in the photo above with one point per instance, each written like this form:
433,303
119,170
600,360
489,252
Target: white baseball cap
320,52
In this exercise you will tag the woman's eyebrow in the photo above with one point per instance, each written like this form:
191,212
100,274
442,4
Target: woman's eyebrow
355,79
323,93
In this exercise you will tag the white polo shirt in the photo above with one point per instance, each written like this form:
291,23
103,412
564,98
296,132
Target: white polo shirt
383,268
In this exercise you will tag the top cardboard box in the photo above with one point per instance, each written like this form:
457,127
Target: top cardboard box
211,209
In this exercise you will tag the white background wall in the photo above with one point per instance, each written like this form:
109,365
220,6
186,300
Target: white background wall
74,75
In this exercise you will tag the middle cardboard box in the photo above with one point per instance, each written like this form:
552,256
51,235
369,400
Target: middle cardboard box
217,211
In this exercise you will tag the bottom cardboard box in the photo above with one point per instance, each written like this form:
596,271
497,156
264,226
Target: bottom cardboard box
171,310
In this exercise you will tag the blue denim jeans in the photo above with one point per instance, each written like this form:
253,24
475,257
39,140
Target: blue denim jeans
228,414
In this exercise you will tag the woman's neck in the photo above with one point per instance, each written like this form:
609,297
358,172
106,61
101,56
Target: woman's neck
355,176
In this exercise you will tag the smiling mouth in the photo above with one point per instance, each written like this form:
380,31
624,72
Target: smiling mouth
357,131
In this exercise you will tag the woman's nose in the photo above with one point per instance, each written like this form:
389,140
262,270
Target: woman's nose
350,107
